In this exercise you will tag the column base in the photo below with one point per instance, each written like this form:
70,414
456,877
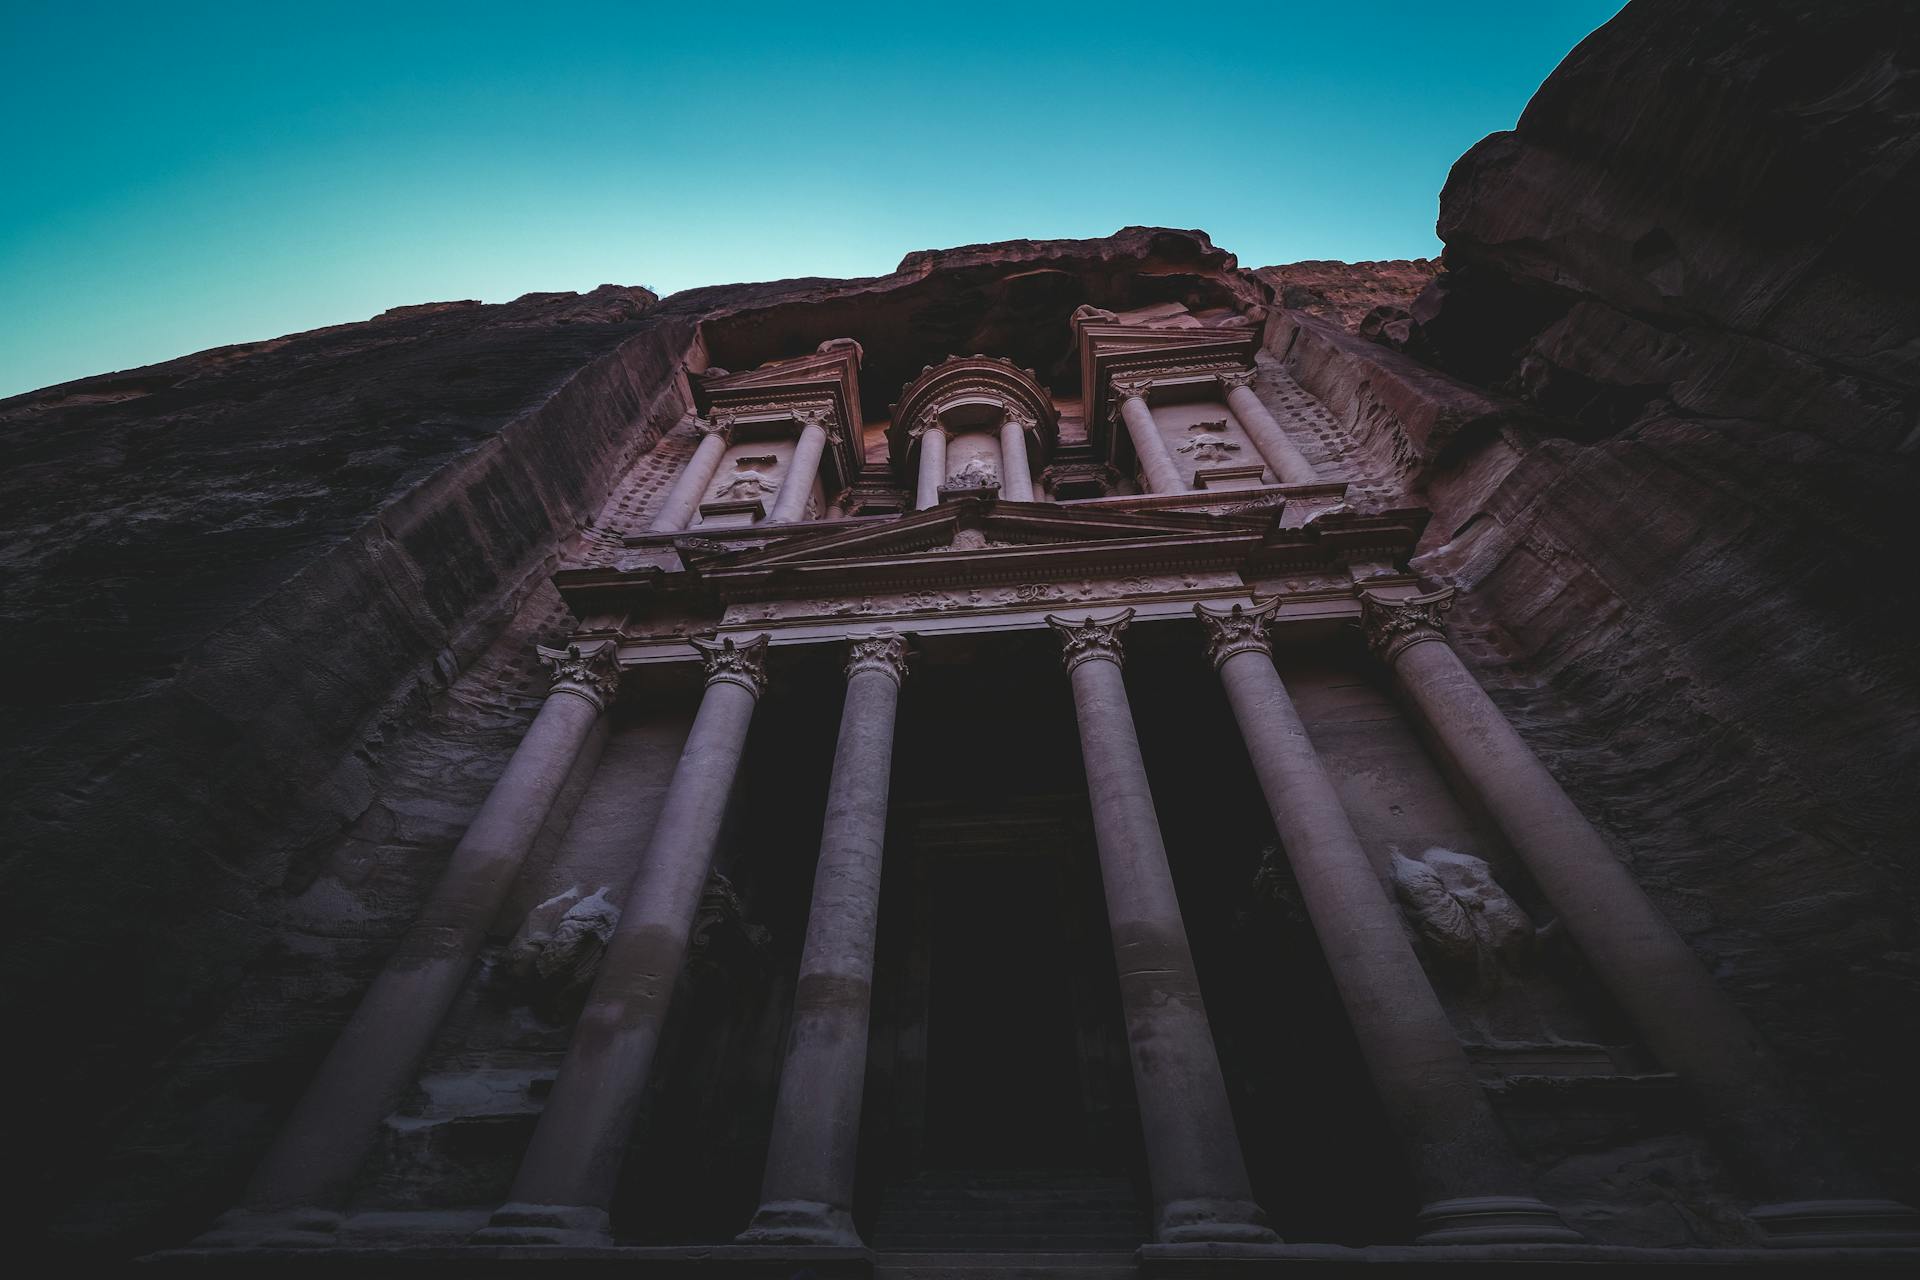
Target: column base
272,1229
1493,1220
801,1222
1208,1221
1838,1224
580,1225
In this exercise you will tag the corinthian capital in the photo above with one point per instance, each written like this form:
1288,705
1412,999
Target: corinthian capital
726,662
592,672
926,424
1393,625
1236,630
824,418
1127,390
883,651
1093,638
1235,379
716,426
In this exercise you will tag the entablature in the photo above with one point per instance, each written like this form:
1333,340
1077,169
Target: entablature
972,561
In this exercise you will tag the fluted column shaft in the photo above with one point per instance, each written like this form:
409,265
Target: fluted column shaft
1200,1187
566,1178
1468,1179
1156,463
806,1195
933,466
1016,477
801,475
1288,463
1683,1015
311,1165
683,500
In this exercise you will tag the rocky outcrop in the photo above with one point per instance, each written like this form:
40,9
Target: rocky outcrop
1671,465
233,582
1347,293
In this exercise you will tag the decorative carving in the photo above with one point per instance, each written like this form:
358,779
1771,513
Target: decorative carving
883,651
1207,446
743,483
719,425
744,665
1462,915
1275,885
1393,625
1091,639
1235,379
1238,630
926,424
1071,480
593,673
558,947
1125,391
978,473
720,904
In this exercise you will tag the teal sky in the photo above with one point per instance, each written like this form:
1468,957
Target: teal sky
181,175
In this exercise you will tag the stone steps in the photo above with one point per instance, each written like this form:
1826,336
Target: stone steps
1099,1265
1068,1211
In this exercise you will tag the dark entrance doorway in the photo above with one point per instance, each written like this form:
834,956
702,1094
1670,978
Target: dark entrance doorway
1004,1082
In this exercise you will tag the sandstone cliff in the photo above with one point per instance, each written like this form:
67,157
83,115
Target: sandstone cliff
1346,292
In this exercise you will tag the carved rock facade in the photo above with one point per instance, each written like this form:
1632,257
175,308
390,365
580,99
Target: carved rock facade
997,462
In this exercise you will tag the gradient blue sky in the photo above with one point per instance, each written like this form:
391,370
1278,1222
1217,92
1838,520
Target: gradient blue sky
175,176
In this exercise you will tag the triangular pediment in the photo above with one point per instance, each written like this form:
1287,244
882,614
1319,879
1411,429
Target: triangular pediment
987,526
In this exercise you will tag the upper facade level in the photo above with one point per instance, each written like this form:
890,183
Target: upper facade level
1159,408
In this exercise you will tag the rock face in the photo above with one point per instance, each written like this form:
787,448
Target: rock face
1672,470
1347,292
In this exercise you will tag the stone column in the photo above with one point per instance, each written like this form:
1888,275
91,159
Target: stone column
297,1190
1469,1181
933,464
1685,1018
1016,477
1289,465
567,1176
1156,463
1200,1188
806,1195
683,500
803,471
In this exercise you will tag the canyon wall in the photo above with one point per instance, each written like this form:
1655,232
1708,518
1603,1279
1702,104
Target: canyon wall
1663,402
